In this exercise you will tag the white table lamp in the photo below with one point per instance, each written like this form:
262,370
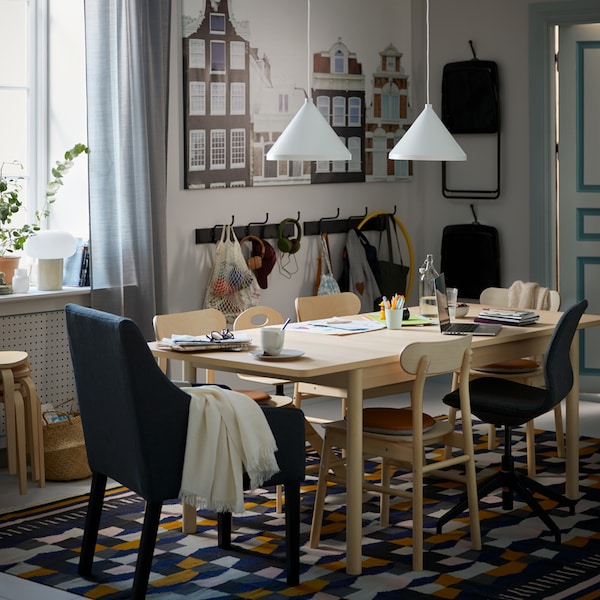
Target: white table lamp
50,248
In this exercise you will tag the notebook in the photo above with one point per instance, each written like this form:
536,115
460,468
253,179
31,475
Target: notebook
457,328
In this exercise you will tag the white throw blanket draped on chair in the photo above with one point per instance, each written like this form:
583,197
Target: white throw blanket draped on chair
528,295
227,433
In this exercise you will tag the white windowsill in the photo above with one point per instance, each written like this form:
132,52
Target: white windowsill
35,301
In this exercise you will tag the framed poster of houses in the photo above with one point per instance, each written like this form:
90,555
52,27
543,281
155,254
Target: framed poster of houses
247,65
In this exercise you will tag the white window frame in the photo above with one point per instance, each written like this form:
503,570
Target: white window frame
237,148
213,18
197,98
237,56
218,149
354,111
197,150
237,98
218,98
324,106
338,117
53,125
196,53
213,45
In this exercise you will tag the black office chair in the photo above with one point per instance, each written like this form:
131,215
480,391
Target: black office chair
507,403
135,427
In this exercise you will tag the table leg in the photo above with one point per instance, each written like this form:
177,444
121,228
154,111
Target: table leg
355,473
572,420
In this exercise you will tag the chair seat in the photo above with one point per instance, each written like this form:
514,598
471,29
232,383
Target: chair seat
392,421
511,367
437,430
520,404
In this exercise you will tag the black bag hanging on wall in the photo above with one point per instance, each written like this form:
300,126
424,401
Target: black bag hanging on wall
470,91
392,275
370,253
471,258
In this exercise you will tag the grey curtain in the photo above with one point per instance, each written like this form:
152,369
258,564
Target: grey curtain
127,60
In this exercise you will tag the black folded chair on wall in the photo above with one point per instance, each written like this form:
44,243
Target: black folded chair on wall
135,427
509,404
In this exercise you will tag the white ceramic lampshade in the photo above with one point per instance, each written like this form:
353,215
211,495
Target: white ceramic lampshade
50,247
427,139
308,137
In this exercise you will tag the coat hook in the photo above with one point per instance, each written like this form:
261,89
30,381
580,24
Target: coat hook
394,211
328,219
257,223
359,217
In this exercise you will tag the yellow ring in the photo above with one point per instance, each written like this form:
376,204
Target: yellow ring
411,256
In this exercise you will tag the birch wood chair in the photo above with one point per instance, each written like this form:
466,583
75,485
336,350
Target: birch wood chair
400,436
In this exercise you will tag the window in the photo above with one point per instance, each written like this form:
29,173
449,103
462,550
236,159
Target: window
390,102
197,98
238,98
339,62
197,54
217,149
354,146
217,57
354,110
237,55
15,88
283,103
339,166
217,23
217,98
323,106
197,159
43,112
390,63
238,148
339,111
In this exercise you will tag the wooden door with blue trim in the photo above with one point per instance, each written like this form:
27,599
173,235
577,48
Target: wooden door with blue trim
579,184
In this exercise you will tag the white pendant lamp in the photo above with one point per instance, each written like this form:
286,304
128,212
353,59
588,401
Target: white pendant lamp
427,138
308,135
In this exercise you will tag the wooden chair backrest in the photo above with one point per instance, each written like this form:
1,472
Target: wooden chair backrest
496,296
257,316
324,307
193,322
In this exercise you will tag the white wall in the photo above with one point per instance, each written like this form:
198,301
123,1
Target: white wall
499,31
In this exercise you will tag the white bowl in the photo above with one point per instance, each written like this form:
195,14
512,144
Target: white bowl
461,311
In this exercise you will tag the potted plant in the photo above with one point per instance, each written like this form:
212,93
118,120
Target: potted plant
13,237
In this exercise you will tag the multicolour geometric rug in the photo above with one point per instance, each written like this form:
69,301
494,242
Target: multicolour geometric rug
519,559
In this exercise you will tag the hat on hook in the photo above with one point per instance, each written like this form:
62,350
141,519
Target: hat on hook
269,258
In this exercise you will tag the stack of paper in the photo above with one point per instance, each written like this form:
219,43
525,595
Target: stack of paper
197,343
507,317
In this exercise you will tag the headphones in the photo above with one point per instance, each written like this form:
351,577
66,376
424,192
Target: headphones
285,244
255,260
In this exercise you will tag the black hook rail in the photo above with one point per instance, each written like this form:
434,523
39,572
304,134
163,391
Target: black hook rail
270,231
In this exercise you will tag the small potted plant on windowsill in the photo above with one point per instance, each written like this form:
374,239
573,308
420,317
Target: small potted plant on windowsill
13,237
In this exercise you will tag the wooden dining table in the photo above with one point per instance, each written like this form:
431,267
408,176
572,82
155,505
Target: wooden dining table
362,361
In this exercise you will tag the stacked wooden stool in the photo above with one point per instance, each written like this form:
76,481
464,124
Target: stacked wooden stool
23,418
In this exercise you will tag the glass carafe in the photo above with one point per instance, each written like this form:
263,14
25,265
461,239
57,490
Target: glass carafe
427,305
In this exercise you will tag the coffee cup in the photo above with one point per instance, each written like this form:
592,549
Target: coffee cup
271,340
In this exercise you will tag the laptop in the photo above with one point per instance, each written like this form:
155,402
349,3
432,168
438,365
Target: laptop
457,328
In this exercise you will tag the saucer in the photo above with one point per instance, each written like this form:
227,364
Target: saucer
285,354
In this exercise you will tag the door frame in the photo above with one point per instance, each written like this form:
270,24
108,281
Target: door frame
543,17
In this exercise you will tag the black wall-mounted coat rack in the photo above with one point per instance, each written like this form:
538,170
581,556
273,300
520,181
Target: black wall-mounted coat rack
270,231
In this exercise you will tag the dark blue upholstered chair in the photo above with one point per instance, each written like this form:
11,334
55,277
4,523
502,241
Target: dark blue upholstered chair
135,426
506,403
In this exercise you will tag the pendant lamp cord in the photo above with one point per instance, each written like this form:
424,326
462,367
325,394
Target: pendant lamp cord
427,27
308,51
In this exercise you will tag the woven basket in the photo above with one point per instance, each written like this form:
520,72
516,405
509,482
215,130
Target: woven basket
64,448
